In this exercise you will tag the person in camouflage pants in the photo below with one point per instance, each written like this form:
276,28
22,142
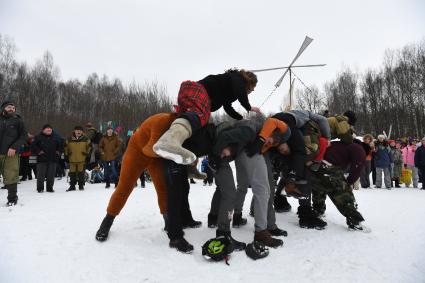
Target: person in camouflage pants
330,181
12,136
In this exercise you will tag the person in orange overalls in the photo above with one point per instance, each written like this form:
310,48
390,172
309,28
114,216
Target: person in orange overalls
137,158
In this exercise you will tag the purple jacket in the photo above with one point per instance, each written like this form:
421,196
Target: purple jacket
346,155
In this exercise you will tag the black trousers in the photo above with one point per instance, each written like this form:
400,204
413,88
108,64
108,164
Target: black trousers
46,171
178,198
25,168
210,176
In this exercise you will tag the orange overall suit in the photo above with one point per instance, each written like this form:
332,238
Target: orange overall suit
138,157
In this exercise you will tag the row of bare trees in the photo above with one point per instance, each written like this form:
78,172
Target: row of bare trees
393,95
41,97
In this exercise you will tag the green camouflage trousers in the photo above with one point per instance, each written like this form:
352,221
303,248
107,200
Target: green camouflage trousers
9,169
330,181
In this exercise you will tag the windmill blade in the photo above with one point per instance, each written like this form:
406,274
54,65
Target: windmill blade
280,68
306,43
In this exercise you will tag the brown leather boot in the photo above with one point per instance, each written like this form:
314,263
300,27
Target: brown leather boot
266,239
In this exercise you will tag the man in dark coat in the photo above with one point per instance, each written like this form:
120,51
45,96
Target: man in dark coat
420,162
12,136
47,148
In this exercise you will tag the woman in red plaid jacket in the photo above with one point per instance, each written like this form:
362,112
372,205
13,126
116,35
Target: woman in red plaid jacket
196,101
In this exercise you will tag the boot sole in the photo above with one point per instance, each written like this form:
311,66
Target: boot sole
315,227
165,153
183,252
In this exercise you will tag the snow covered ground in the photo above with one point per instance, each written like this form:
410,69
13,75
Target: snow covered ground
50,238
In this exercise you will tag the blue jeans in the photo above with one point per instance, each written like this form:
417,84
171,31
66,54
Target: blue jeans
110,171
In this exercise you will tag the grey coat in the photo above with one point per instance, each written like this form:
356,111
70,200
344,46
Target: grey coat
303,116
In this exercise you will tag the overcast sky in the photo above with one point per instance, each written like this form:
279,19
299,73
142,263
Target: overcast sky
172,41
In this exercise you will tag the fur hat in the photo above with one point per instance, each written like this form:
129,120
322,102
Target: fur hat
381,137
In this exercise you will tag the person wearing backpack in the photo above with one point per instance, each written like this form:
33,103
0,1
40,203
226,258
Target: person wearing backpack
341,126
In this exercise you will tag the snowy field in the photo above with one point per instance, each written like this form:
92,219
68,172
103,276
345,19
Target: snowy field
50,238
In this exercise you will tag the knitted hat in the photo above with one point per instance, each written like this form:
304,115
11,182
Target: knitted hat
7,103
78,128
47,126
351,117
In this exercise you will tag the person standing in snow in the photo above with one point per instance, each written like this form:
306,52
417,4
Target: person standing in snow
25,159
48,149
409,161
12,136
196,101
397,164
77,149
365,174
383,160
207,170
109,147
420,162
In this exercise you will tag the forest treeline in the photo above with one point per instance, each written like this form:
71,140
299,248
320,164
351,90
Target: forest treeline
42,97
391,95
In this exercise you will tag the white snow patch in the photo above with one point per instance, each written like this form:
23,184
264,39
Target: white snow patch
51,239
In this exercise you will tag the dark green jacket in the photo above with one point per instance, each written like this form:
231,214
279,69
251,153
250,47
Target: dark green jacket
237,136
12,133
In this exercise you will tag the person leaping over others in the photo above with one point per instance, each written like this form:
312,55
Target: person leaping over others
196,101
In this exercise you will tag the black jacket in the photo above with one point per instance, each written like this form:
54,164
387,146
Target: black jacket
223,89
296,144
12,133
420,157
47,148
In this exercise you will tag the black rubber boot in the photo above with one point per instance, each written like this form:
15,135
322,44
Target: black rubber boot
103,232
281,204
12,194
238,220
81,180
72,181
192,224
309,219
212,220
238,246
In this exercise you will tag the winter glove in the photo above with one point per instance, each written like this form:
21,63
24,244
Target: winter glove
255,147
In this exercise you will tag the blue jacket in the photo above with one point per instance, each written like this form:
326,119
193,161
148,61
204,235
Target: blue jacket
383,158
